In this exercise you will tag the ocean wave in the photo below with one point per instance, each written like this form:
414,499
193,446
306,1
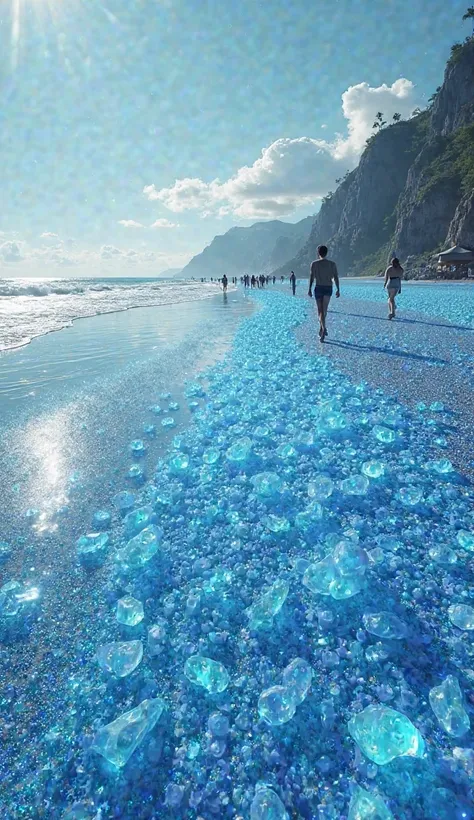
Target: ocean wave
26,313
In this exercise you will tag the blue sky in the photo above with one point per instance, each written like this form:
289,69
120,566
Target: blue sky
117,117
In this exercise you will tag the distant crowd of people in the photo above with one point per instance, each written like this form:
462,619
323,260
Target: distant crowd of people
323,273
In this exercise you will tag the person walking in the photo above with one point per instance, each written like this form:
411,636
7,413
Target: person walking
225,282
393,284
323,272
293,282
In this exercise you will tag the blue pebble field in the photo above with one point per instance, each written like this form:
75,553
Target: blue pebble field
286,609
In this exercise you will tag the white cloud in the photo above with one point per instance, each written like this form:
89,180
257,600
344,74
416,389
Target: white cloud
49,235
164,223
11,253
292,173
130,223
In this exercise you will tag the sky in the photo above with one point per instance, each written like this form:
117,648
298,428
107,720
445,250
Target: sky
132,132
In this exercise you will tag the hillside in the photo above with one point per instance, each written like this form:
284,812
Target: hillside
413,190
255,249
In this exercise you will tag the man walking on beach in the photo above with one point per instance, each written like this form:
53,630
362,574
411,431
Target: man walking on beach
323,272
293,282
225,282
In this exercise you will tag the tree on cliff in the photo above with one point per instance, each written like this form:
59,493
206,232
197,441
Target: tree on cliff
469,15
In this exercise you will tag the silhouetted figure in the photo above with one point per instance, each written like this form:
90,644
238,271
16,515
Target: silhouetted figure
225,282
293,282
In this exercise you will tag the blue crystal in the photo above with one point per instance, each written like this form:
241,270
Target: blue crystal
320,487
266,805
137,520
346,586
410,496
350,559
211,455
15,599
156,638
373,469
319,577
384,434
140,549
92,549
442,467
218,725
267,485
179,464
138,447
276,705
240,451
355,485
211,675
156,409
285,451
120,658
276,523
5,551
261,613
168,422
124,501
136,474
447,704
384,625
297,677
384,734
149,430
465,540
462,616
366,805
118,740
437,407
101,520
130,611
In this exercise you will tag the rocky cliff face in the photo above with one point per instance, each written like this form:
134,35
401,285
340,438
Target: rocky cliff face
434,193
254,250
413,191
359,217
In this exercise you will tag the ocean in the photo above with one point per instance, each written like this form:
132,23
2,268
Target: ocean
34,307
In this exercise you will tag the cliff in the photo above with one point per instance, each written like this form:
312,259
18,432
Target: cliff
413,191
254,250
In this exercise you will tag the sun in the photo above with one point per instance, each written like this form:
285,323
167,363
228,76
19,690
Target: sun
42,10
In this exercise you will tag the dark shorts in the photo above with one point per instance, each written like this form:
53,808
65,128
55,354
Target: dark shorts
322,290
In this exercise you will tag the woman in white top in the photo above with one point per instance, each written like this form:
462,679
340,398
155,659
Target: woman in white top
393,283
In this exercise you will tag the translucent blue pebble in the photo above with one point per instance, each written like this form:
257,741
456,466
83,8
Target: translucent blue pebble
465,540
462,616
366,805
140,549
240,451
447,703
267,485
384,625
383,734
101,520
266,805
138,447
137,520
130,611
261,613
276,705
92,549
120,658
211,675
118,740
297,677
320,488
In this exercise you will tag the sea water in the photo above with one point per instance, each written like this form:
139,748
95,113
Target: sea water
257,683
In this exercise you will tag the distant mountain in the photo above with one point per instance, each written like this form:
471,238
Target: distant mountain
256,249
412,193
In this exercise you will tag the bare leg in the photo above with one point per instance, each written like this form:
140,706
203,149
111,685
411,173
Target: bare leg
326,300
322,325
391,303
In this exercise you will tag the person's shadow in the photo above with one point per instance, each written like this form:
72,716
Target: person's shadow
404,321
226,299
388,352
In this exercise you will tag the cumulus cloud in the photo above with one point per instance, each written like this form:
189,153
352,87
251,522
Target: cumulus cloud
130,223
292,173
49,235
164,223
11,253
